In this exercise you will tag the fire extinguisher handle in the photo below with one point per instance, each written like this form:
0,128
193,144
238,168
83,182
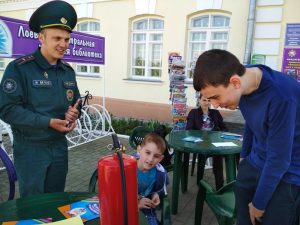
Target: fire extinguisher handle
116,143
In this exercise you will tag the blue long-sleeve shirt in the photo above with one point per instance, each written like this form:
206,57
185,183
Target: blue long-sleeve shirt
272,132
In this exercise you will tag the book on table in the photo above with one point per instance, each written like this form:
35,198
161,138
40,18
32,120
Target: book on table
232,136
87,209
192,139
28,222
70,221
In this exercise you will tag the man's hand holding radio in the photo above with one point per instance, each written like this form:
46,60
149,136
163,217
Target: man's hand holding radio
72,114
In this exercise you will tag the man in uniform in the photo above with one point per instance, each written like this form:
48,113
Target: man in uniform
37,97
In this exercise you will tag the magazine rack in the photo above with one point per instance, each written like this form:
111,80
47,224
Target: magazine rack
177,92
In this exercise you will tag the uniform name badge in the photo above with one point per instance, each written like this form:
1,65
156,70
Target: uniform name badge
42,83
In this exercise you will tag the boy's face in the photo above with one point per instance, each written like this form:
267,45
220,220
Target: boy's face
220,96
150,156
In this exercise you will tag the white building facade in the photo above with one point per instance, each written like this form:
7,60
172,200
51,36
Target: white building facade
140,35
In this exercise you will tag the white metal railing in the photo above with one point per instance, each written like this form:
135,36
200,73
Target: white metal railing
94,123
6,143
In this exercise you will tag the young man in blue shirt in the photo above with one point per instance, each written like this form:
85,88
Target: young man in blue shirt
268,181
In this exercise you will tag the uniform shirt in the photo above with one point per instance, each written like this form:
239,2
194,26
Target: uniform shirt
272,132
32,92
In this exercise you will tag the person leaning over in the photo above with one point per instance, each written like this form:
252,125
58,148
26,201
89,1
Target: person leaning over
36,98
205,118
152,177
268,181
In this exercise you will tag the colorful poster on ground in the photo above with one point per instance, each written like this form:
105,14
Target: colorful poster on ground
291,62
16,39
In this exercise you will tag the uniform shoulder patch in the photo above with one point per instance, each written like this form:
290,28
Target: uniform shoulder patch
9,86
24,59
66,64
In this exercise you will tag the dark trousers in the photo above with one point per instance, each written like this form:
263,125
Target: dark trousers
41,167
281,209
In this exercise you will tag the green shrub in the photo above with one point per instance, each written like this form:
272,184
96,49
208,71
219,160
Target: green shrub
125,125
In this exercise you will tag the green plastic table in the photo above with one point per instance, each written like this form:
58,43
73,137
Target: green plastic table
205,148
45,206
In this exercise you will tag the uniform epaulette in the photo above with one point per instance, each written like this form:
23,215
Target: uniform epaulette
66,64
24,59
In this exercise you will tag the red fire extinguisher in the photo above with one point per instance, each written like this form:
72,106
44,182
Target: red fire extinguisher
117,185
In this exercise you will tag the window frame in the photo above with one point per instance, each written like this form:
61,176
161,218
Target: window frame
208,42
89,66
89,31
148,44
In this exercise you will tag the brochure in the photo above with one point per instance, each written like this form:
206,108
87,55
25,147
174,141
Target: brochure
87,209
28,222
192,139
71,221
224,144
232,136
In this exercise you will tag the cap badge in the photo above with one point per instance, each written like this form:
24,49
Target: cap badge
63,20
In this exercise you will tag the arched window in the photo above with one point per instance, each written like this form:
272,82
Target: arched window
146,48
204,33
90,70
89,27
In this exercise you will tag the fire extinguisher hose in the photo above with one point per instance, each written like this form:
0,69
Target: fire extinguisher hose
124,193
116,145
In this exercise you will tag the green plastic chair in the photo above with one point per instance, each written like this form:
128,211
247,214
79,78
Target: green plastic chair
221,202
165,202
137,135
93,181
